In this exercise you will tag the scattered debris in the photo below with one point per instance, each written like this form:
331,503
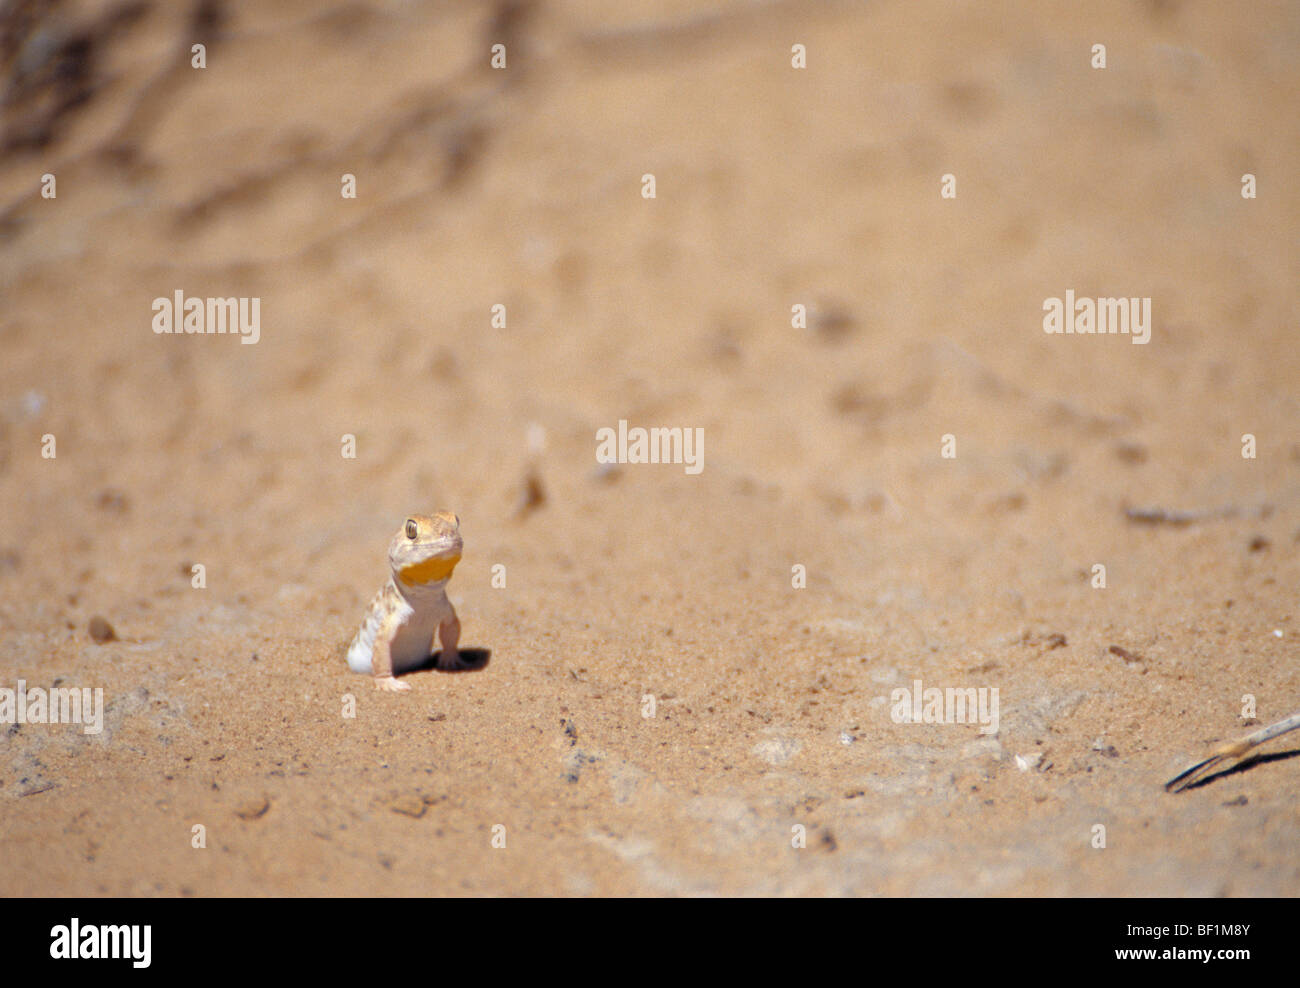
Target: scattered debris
101,631
1102,748
570,731
408,805
1202,770
532,495
1165,516
1026,762
1161,516
1049,641
1130,659
253,809
575,762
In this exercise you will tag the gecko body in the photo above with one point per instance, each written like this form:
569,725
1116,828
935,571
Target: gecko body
412,608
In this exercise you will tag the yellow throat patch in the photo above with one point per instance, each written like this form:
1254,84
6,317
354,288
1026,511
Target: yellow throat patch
429,571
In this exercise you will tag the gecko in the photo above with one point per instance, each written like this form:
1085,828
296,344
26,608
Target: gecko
412,606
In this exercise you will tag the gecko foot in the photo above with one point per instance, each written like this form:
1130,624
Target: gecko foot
450,660
391,685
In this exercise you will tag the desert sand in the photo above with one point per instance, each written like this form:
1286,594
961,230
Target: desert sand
681,676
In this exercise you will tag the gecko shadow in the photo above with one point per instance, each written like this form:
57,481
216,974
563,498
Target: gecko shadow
474,659
1245,766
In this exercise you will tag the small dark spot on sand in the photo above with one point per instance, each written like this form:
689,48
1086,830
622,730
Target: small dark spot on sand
1131,453
112,499
832,322
253,809
101,631
532,496
1129,658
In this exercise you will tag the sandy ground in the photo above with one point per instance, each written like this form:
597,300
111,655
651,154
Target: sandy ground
775,186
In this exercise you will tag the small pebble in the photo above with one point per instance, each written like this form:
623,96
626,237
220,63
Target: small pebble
101,631
253,809
532,495
1130,659
412,806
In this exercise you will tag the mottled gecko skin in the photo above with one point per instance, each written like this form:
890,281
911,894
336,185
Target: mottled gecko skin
412,606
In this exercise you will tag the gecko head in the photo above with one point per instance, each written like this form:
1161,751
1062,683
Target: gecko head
426,548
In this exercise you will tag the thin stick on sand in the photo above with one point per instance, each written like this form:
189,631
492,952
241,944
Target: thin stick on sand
1235,749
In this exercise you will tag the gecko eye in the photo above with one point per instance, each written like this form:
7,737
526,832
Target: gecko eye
412,529
457,519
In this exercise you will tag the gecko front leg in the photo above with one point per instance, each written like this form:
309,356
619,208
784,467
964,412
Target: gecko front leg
449,632
382,662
